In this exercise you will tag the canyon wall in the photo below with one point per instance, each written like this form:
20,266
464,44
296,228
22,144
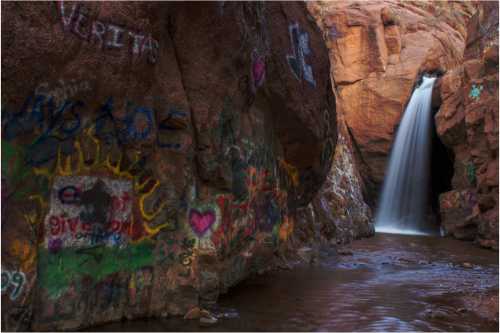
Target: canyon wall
467,123
153,154
339,208
378,52
378,49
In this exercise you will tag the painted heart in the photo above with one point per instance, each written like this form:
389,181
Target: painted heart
201,222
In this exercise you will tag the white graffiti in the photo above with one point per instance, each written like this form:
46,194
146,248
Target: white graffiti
16,279
297,60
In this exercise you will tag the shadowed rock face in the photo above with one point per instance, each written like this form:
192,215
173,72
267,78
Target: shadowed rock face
467,122
190,133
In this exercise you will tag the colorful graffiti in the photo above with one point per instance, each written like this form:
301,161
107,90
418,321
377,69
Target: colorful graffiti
59,270
300,49
14,280
87,211
475,92
96,207
57,127
107,35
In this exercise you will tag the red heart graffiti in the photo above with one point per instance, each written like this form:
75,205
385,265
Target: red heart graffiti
201,222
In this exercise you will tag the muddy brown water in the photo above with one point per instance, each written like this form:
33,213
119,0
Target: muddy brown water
388,283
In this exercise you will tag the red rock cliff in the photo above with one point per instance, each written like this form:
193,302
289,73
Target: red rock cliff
377,51
467,123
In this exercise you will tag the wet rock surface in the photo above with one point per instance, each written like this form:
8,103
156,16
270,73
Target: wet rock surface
389,283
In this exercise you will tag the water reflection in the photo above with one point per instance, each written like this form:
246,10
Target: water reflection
389,283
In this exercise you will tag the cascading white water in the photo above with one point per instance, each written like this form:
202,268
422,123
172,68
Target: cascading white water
403,203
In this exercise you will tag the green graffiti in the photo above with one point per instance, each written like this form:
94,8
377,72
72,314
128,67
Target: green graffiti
19,176
471,173
58,271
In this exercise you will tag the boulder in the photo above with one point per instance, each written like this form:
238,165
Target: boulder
153,153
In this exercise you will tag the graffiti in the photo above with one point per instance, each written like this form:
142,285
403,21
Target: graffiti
14,279
63,90
139,287
139,123
134,126
59,127
475,92
58,271
201,222
107,35
55,125
291,171
286,228
333,33
258,70
69,195
471,173
300,49
87,211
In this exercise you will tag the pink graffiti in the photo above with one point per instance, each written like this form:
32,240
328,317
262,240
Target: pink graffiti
201,222
258,70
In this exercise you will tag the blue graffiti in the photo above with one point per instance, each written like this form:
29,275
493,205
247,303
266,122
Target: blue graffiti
133,131
60,125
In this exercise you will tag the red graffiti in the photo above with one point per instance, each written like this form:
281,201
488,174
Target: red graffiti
60,225
120,204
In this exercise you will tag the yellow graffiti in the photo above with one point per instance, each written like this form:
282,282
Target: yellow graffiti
25,252
64,167
65,170
146,215
286,228
291,171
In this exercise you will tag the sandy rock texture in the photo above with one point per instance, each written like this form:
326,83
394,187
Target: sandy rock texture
378,50
467,123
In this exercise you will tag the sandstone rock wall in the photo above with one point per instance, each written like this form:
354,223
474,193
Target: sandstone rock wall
378,49
153,154
339,207
467,123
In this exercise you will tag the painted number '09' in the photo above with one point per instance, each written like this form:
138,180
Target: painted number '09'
14,279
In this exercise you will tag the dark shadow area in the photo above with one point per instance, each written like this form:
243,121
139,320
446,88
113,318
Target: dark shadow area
442,160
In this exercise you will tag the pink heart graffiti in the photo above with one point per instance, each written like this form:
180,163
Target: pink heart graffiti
201,222
259,69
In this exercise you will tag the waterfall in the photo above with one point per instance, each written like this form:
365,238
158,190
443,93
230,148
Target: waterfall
404,195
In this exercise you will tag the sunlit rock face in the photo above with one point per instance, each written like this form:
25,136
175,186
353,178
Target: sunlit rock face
339,206
153,154
467,122
377,51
